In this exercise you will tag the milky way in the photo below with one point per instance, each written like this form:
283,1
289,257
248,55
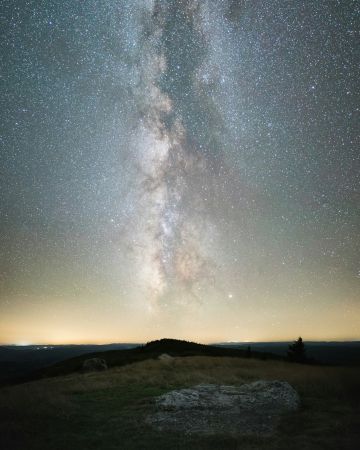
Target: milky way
179,168
174,158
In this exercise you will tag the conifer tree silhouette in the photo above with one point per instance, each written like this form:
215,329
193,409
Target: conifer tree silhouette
296,351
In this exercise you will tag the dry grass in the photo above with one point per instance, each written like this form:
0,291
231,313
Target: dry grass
65,409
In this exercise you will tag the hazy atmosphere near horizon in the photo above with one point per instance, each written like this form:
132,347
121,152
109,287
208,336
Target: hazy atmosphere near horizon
179,168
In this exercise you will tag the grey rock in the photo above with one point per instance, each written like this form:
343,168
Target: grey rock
250,409
94,364
165,357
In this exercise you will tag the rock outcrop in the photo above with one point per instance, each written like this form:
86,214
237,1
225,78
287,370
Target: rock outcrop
165,357
94,364
249,409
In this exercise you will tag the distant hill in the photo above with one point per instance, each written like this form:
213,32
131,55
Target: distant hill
151,350
21,361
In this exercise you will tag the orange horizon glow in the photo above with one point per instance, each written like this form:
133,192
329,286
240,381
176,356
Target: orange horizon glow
126,342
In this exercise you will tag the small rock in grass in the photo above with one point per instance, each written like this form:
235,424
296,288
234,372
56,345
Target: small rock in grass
94,364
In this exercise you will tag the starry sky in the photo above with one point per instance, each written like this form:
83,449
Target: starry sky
177,168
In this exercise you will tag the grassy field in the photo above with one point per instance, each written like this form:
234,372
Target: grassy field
106,410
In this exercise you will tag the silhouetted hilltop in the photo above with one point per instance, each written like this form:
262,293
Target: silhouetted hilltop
176,347
151,350
19,364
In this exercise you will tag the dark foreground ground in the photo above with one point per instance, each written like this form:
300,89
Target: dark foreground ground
107,410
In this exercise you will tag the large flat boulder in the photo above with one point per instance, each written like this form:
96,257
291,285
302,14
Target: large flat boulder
249,409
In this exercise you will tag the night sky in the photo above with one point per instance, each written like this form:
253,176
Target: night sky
179,168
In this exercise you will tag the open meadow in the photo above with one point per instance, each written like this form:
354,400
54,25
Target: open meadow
107,410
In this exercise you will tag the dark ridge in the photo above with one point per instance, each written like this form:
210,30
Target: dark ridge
151,350
22,361
332,353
